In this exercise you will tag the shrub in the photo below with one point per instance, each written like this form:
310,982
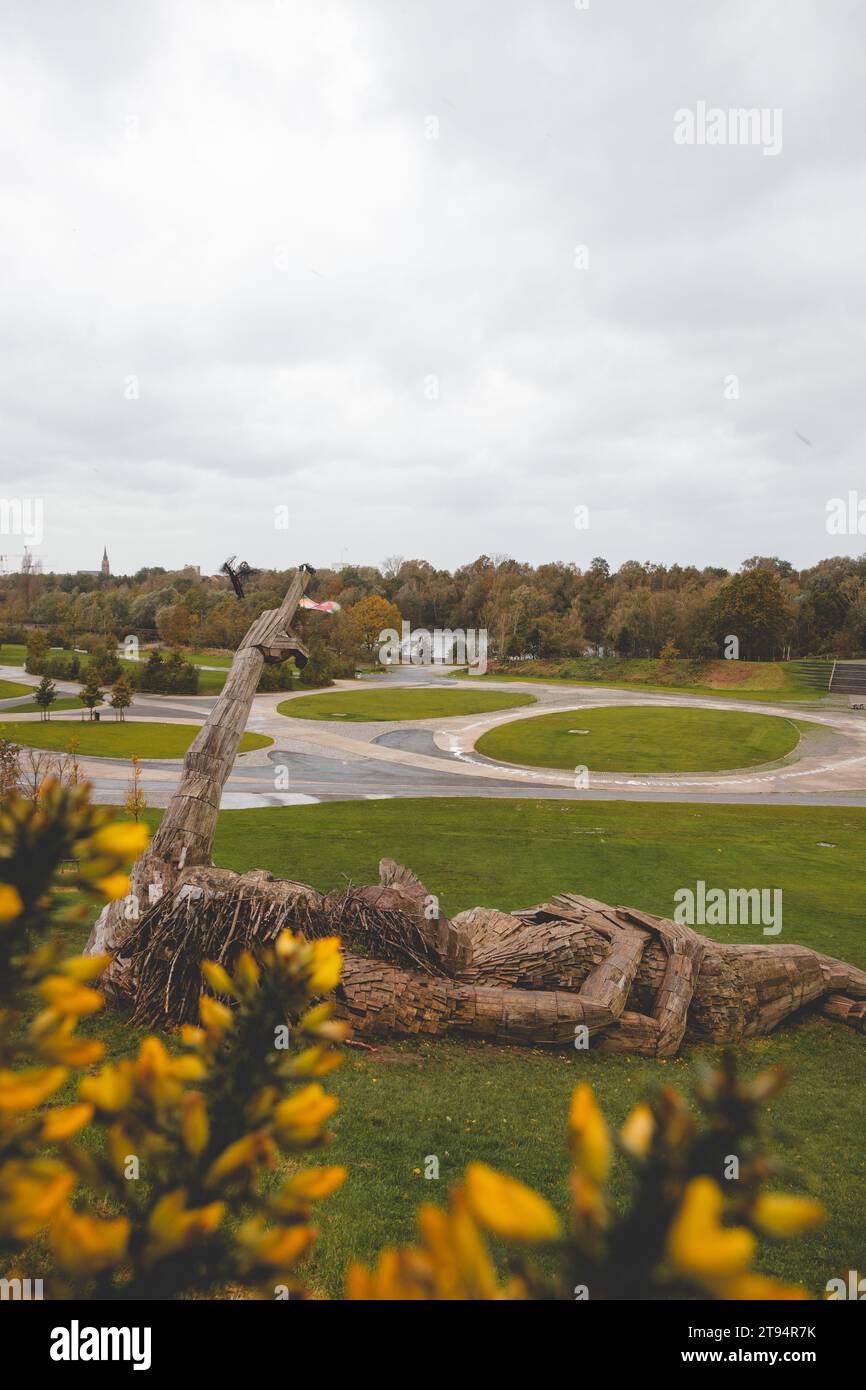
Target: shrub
193,1167
170,675
280,677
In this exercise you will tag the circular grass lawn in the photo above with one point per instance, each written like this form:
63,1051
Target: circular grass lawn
114,738
9,690
366,706
643,740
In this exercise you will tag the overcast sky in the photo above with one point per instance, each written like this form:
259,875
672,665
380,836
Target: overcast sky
324,256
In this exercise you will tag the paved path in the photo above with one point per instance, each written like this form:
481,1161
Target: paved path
327,761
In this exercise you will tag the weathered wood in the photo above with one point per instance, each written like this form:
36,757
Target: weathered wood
527,977
185,836
634,982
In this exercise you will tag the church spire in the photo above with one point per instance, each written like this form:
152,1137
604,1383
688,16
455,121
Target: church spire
105,566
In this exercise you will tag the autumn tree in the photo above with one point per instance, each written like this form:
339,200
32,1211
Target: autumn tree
753,607
121,696
91,695
369,618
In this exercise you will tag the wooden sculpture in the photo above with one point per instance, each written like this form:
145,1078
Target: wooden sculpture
572,970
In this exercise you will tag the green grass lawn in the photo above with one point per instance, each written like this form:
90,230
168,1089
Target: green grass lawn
736,680
643,740
31,707
364,706
210,659
115,739
508,1106
14,653
9,689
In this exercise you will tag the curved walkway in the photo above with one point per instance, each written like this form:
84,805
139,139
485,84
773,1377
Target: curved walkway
315,762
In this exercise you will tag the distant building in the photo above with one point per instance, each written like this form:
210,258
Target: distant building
104,568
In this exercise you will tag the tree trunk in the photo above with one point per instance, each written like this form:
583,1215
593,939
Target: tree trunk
185,835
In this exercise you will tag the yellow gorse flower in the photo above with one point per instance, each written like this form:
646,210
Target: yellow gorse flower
327,965
279,1246
84,1244
312,1185
780,1215
66,996
217,977
508,1208
23,1090
113,886
243,1156
173,1224
637,1132
589,1136
11,905
111,1089
84,968
215,1017
699,1245
194,1125
66,1120
123,840
300,1117
30,1195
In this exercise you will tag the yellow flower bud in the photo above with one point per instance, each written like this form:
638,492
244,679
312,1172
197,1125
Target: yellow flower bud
11,905
84,1244
195,1126
113,886
327,965
31,1194
173,1225
253,1151
247,971
281,1246
589,1136
698,1244
508,1208
66,996
312,1185
217,977
780,1215
637,1132
300,1117
215,1016
124,840
83,969
22,1090
66,1121
111,1090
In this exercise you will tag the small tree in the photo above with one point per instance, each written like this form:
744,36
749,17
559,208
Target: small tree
45,695
37,651
121,696
669,651
135,801
72,771
91,695
10,769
